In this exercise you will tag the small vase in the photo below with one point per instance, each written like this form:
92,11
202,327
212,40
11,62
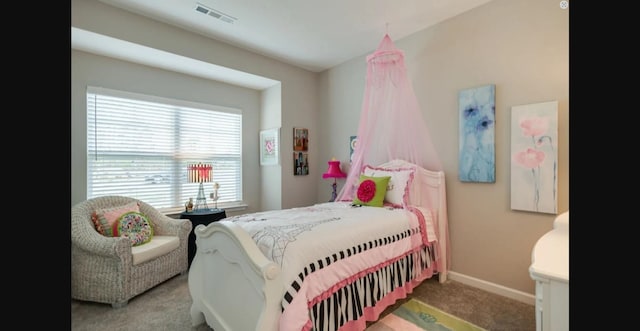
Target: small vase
189,205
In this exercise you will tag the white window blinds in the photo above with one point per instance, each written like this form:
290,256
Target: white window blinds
139,146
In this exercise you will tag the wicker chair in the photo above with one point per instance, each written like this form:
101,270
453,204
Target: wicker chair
102,268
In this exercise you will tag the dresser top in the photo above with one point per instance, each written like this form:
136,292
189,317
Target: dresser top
550,256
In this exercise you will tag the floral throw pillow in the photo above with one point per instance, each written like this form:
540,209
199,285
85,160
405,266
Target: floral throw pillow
134,226
371,191
104,219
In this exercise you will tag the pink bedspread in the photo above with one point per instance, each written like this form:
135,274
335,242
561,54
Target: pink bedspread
342,265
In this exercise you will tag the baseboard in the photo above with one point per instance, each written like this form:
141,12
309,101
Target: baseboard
493,288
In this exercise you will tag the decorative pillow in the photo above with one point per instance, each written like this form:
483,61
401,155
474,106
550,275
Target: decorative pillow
398,189
371,191
416,186
134,226
105,218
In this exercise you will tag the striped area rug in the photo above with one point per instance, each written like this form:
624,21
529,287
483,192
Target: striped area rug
416,316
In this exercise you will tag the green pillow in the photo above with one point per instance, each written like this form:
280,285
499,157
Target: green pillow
371,191
135,226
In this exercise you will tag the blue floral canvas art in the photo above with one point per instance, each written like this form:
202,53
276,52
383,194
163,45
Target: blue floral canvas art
477,158
534,157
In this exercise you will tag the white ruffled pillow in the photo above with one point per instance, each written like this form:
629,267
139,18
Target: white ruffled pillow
421,178
398,189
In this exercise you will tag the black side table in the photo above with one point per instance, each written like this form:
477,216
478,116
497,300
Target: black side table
197,217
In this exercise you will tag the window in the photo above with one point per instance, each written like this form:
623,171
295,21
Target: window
139,146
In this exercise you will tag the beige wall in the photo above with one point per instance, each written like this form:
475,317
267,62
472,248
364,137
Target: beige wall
522,47
271,176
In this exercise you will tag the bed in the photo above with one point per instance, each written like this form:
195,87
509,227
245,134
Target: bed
330,266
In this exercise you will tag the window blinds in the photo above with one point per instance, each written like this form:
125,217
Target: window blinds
140,146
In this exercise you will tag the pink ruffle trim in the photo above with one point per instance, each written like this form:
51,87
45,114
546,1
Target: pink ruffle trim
372,313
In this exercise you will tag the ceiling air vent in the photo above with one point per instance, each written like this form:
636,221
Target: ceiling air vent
214,13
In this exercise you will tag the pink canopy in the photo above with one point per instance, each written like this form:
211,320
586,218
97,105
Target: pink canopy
391,123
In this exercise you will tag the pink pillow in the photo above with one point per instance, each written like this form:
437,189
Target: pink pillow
105,219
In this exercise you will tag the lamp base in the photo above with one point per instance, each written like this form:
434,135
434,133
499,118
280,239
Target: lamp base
201,201
334,194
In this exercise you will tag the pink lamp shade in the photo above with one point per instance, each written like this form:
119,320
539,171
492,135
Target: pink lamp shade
334,170
200,173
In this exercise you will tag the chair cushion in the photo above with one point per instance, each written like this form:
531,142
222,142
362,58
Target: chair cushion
157,246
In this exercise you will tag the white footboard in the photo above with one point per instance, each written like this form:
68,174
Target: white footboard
232,284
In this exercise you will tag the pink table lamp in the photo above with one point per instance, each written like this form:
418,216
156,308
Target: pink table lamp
334,172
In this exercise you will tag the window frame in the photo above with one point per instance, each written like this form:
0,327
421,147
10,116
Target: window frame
178,187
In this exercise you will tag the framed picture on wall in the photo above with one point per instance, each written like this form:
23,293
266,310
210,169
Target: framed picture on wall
353,140
300,139
534,157
476,111
300,163
269,147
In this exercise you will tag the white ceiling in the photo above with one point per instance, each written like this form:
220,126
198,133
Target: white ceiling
314,35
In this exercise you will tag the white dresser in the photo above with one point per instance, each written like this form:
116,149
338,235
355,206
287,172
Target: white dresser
550,270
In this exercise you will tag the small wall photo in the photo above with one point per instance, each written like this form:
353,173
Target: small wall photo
300,139
269,150
300,163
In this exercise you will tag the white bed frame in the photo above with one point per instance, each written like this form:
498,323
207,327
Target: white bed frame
235,287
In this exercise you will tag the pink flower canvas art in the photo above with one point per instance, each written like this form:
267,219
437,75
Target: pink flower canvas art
534,157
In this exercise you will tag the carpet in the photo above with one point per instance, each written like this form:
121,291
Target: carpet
415,315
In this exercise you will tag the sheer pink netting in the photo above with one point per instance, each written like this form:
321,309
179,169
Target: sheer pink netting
391,123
